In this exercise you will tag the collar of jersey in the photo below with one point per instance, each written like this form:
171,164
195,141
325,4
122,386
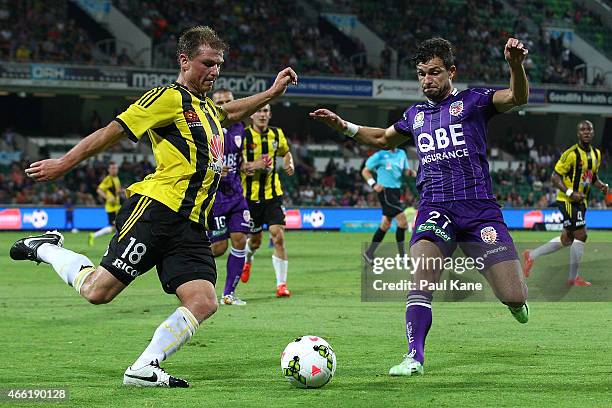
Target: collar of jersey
200,97
581,148
454,92
263,133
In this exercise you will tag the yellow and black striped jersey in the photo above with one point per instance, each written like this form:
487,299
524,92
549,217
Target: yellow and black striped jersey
578,170
112,188
263,185
187,140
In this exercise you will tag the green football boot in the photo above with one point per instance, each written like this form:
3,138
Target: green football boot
521,314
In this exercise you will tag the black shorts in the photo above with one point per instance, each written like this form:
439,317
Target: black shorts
573,214
112,216
150,234
269,212
390,201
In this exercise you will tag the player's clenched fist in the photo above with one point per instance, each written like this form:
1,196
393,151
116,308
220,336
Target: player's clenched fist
515,52
283,79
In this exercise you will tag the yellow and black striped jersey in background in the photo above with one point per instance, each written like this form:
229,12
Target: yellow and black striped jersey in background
187,141
578,170
264,185
112,188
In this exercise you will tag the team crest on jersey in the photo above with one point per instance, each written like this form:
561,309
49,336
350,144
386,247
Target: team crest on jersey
456,108
275,145
419,120
488,235
192,118
238,140
216,150
246,215
587,178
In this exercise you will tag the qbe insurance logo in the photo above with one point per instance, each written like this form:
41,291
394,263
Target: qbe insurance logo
316,218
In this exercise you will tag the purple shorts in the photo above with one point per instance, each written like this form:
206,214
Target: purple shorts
476,225
230,214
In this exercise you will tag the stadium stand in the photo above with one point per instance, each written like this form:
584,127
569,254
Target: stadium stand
313,47
249,28
61,33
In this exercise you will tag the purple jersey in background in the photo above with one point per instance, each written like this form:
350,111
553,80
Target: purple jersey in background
450,138
231,184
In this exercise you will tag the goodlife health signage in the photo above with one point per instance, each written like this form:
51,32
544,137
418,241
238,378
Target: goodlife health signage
579,97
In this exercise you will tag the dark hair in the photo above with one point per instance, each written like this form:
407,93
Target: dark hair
432,48
191,39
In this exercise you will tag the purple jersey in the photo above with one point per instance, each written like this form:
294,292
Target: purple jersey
231,185
450,137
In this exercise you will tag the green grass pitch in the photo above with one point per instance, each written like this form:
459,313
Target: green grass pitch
477,355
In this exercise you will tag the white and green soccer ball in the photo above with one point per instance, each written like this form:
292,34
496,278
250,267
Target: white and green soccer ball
308,362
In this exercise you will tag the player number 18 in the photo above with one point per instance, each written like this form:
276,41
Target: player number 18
137,253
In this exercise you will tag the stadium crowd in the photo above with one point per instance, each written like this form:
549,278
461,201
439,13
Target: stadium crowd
302,42
42,31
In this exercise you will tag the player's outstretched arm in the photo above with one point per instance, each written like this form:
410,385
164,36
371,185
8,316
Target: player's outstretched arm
518,93
239,109
376,137
101,139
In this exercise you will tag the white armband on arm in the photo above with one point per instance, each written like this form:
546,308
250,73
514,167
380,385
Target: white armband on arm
371,182
351,129
569,192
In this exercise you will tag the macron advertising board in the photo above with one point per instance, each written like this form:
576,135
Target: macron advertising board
304,218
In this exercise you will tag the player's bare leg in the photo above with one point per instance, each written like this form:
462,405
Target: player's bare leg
379,235
235,267
418,307
279,260
198,303
253,243
506,280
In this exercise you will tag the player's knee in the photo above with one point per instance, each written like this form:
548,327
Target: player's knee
580,236
567,240
279,240
203,308
97,296
219,248
255,242
239,242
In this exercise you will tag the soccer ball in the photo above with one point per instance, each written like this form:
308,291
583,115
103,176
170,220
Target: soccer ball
308,362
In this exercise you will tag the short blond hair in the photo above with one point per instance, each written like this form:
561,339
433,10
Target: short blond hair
193,38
